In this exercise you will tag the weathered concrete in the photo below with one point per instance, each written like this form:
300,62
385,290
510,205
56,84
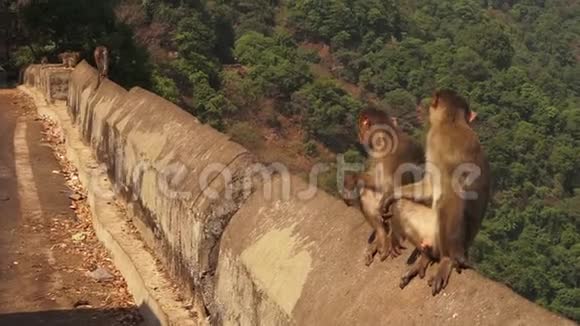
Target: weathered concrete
50,79
158,156
254,259
153,292
293,261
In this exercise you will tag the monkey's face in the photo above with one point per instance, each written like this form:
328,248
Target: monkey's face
378,133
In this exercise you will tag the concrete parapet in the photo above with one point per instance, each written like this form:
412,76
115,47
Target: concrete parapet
298,260
163,162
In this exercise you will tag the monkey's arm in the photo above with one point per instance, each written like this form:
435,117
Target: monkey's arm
368,181
421,192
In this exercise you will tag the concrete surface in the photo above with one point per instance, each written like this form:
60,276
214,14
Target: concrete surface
156,154
154,294
292,261
40,280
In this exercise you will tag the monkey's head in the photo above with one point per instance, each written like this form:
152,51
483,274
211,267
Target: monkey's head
447,105
377,132
75,57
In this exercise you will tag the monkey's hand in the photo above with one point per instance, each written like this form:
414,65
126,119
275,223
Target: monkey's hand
385,206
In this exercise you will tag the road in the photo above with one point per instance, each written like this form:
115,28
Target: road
43,266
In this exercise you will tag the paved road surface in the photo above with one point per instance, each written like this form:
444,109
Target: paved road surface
39,285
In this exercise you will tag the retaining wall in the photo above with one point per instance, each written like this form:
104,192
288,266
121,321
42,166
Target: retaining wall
285,256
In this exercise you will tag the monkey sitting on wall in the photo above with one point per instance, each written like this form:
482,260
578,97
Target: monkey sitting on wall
102,61
389,149
69,59
456,182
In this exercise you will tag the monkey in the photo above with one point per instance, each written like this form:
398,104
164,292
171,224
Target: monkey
389,149
459,202
69,59
102,60
73,59
368,200
416,223
44,61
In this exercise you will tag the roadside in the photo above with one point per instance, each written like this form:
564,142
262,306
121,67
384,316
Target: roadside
53,269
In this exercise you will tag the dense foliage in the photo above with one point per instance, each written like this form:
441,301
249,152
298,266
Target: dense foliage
516,61
47,28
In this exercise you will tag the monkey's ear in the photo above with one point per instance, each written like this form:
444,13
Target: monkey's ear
472,116
395,121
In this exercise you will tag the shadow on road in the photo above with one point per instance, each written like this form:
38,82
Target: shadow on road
76,317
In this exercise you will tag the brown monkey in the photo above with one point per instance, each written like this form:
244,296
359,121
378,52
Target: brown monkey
102,61
390,152
73,59
457,182
368,200
69,59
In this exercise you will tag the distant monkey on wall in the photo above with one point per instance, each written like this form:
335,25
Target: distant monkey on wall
102,61
69,59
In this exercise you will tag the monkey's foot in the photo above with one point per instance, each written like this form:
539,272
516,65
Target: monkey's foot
419,268
386,249
462,263
440,280
384,253
369,254
395,250
383,242
396,247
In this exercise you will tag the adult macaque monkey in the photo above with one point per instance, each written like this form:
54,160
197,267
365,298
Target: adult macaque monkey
457,182
390,152
102,61
69,59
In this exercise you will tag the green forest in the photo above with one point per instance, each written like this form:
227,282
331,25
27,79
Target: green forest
288,78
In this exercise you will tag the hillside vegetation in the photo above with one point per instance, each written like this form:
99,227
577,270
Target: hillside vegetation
287,80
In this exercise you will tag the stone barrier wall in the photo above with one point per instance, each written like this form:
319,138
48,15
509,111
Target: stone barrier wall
51,79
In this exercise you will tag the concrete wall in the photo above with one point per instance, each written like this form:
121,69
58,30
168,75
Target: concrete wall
155,154
51,79
289,256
